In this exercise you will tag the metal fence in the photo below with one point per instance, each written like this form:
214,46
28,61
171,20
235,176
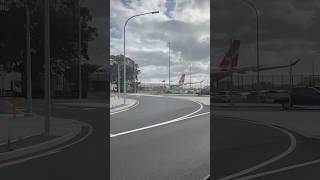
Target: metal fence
272,82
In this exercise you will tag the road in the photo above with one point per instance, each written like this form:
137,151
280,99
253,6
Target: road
245,150
143,146
82,161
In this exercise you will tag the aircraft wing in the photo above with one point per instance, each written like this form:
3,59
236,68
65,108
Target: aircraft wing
193,82
242,70
276,67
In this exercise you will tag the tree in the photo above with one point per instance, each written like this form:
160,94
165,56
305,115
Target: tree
63,35
132,70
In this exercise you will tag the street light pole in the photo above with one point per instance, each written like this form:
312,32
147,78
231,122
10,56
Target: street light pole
190,76
169,65
47,65
118,88
257,34
313,74
79,51
124,53
291,85
29,81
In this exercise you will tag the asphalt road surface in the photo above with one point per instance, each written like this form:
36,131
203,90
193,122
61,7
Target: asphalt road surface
144,146
82,161
245,150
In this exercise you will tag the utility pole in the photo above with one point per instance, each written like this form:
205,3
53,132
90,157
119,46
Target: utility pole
118,88
169,64
257,44
291,86
29,81
47,66
79,52
124,53
134,78
313,72
190,76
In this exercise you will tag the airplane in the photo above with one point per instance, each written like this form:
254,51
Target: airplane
182,82
229,64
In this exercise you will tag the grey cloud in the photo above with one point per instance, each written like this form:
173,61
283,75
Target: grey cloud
288,30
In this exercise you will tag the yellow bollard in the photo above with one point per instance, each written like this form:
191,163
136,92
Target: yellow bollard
14,105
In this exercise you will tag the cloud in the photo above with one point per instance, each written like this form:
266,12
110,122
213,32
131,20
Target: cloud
183,23
288,31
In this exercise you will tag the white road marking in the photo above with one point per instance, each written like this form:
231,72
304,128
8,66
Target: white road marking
206,177
87,109
112,113
75,108
280,169
157,125
160,124
293,144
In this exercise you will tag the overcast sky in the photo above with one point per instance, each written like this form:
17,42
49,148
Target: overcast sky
289,30
185,23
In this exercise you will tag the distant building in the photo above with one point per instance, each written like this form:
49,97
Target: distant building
10,82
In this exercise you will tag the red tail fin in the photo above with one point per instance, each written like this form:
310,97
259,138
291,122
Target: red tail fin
181,81
231,57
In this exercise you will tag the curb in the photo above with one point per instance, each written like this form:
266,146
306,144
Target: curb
6,156
124,108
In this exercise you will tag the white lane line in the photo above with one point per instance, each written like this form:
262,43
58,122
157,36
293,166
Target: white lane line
112,113
198,110
293,144
148,127
157,125
280,170
53,151
87,109
206,177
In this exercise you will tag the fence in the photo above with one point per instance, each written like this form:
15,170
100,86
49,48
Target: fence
272,82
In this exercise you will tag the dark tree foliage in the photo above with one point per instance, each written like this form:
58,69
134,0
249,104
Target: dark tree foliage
64,29
132,69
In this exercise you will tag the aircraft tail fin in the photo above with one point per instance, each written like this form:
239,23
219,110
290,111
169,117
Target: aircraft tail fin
230,59
182,78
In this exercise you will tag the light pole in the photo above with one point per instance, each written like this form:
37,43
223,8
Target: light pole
29,81
124,53
190,76
313,72
118,88
291,85
257,34
169,65
47,65
79,51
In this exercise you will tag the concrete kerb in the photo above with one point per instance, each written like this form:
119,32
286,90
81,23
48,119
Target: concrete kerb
38,147
7,156
205,100
121,108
